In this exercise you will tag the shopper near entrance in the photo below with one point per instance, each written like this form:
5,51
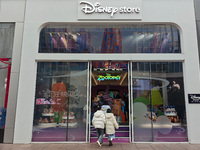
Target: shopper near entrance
105,107
111,124
98,122
117,106
95,104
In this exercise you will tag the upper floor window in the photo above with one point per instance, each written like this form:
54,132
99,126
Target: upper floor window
109,39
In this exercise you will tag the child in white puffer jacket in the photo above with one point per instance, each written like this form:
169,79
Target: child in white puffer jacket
111,124
98,122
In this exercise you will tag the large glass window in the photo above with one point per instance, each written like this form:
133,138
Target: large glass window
60,102
159,113
109,39
6,39
6,48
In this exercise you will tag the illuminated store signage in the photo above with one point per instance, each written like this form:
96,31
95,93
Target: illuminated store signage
104,9
90,8
108,77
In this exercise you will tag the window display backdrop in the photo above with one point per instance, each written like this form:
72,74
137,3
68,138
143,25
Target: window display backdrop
60,98
109,39
159,113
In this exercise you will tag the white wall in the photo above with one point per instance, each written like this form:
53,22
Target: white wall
39,12
13,11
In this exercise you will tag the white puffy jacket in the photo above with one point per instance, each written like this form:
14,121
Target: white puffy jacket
111,123
98,120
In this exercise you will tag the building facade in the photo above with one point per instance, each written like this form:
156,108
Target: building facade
67,56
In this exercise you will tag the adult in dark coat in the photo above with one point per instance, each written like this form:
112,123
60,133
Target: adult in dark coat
117,107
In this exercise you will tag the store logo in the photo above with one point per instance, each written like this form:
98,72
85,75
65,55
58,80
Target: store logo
194,98
90,8
108,77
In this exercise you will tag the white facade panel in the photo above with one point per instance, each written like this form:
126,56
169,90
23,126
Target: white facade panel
12,10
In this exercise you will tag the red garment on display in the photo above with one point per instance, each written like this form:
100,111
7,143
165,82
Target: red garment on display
59,96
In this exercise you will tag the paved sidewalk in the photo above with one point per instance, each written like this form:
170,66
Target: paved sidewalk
94,146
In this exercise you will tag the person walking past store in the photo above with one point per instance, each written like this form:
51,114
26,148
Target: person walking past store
111,124
98,122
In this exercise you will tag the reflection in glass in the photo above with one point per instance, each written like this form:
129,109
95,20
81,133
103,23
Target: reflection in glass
109,39
159,86
5,70
7,31
60,99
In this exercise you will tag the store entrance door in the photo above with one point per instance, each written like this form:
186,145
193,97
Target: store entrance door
109,83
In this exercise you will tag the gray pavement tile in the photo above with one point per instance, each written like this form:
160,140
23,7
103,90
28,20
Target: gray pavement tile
188,146
57,145
129,146
159,146
173,146
33,148
86,145
94,146
196,145
39,145
8,146
144,146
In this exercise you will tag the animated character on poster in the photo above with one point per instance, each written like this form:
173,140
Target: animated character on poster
59,97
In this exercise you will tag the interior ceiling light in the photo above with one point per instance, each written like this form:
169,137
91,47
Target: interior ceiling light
94,79
123,78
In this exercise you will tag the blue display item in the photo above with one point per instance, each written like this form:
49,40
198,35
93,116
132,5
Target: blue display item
146,38
2,117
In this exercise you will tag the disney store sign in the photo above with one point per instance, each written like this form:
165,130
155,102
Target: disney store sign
109,10
97,8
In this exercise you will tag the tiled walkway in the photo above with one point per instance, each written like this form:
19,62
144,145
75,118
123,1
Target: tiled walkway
94,146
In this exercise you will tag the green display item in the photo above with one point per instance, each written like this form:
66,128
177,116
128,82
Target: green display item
156,96
142,100
111,94
57,118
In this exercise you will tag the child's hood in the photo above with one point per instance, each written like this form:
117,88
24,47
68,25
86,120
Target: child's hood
108,115
99,113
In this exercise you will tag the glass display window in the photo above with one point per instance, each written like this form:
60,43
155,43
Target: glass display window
60,101
159,113
116,39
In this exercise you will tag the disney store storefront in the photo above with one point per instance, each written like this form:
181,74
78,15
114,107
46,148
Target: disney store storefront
153,92
121,53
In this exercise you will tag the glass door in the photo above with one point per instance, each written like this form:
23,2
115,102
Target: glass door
109,85
142,127
158,102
